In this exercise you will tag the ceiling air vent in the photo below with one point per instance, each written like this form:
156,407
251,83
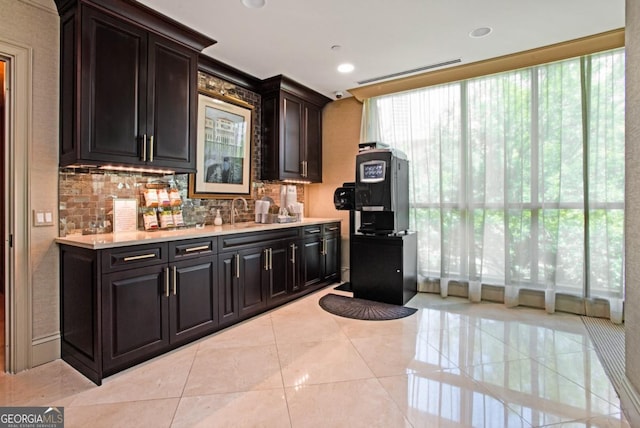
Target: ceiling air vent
415,70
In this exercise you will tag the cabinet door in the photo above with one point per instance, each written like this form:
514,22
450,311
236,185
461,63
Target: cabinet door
134,316
252,282
113,89
172,105
295,266
312,262
313,143
292,150
281,272
193,301
332,258
228,280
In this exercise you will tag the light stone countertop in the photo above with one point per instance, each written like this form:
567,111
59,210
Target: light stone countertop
112,240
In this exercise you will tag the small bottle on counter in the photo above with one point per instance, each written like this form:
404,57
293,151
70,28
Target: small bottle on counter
218,220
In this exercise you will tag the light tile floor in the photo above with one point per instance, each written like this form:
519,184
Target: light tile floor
452,364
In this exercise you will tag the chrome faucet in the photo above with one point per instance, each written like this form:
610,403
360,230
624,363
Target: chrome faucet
234,212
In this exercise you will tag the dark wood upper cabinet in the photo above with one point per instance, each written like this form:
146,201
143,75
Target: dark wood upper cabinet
128,86
292,131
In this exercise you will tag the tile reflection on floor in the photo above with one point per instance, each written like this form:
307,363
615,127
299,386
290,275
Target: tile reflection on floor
451,364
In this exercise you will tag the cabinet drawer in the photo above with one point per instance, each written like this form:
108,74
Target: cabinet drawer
134,257
331,228
227,242
182,250
315,230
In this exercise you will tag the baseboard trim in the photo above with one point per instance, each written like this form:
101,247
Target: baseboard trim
45,349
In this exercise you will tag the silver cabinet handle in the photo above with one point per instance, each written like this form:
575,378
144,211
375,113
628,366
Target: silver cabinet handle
266,259
331,229
140,257
324,247
175,279
144,147
151,148
166,282
237,265
192,249
293,253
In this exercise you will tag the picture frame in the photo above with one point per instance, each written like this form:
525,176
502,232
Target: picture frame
223,149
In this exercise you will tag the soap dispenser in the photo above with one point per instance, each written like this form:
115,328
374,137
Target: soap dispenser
218,220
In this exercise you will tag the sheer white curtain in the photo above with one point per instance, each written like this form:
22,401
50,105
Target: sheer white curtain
517,178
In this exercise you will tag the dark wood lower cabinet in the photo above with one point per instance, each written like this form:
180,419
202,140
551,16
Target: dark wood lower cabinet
331,262
241,284
251,283
146,310
283,275
228,288
312,272
134,316
192,299
321,255
121,306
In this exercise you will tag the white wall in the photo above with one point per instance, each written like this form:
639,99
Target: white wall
34,24
340,137
632,193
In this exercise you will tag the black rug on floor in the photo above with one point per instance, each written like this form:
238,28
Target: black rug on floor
345,286
361,309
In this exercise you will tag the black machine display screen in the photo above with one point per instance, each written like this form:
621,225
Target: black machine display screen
372,171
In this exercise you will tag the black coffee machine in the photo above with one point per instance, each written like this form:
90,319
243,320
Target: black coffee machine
382,191
382,251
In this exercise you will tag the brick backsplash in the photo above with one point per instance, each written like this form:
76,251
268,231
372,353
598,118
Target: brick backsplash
86,196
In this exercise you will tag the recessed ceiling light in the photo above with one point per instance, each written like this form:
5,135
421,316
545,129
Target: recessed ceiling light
254,4
480,32
346,68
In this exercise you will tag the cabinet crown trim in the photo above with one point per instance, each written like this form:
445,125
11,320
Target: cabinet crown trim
283,83
146,17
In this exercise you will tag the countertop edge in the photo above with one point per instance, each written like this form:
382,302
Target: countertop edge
111,240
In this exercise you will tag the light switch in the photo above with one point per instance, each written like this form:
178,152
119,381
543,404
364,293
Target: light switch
42,218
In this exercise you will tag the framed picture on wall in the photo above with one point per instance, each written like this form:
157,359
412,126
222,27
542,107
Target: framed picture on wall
223,150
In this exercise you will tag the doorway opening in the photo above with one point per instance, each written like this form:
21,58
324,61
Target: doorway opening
3,145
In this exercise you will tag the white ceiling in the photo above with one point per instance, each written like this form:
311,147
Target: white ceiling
380,37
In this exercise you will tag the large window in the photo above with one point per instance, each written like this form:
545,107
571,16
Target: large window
517,178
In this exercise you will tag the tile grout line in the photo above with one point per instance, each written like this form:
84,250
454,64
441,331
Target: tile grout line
186,381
